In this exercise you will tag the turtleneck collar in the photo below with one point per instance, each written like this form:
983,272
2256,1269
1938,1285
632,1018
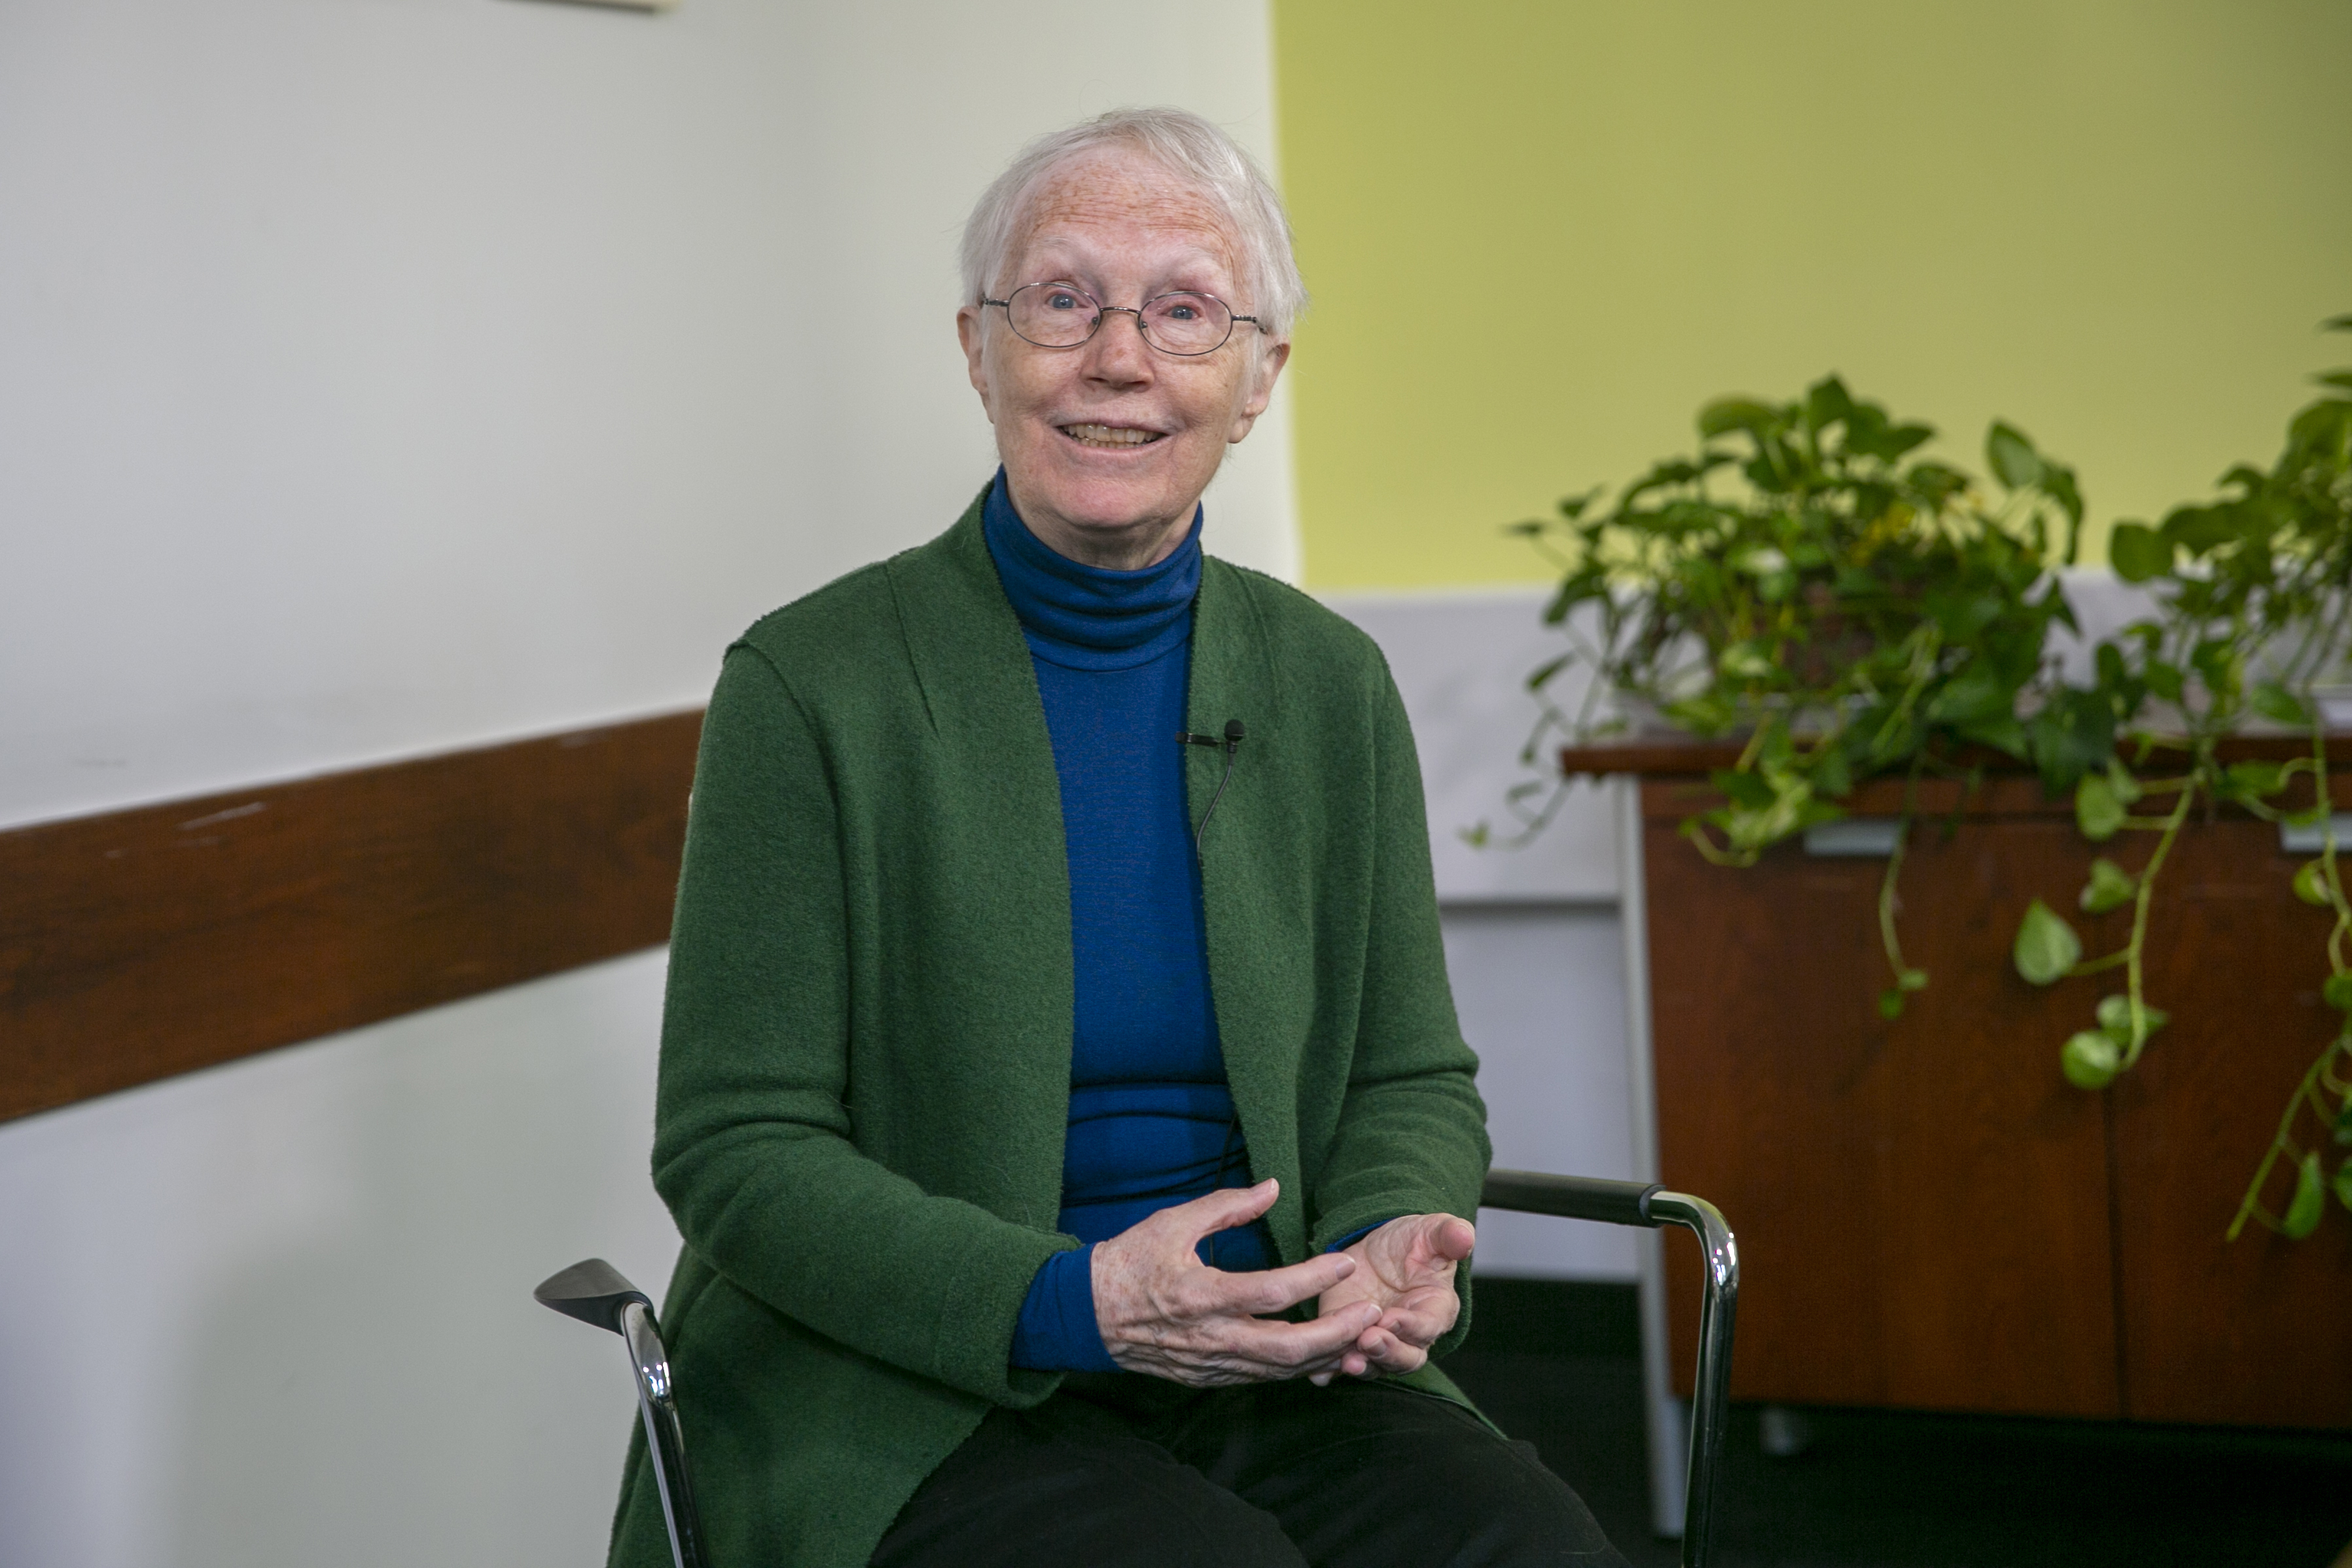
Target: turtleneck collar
1087,618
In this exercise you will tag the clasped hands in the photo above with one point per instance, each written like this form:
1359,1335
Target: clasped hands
1381,1303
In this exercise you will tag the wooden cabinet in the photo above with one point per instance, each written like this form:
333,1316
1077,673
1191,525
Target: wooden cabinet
1929,1217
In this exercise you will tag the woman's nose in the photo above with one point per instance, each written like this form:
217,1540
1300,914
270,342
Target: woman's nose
1119,349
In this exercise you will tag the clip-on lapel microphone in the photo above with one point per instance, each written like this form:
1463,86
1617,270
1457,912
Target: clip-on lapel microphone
1231,742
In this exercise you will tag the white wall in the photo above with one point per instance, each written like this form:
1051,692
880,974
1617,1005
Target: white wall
278,1313
385,375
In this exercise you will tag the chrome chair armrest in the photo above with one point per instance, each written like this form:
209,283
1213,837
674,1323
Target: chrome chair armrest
1651,1206
595,1292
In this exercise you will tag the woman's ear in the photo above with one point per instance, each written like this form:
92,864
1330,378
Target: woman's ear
1263,375
968,325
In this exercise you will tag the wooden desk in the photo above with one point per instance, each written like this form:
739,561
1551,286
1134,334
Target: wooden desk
1929,1215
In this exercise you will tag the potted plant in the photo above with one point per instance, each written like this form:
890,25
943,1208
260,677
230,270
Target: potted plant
1851,623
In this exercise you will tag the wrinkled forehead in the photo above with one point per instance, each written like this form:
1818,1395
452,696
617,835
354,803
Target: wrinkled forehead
1126,207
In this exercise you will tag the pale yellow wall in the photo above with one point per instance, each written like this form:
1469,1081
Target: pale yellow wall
1539,235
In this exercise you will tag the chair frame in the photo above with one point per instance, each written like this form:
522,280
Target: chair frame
594,1292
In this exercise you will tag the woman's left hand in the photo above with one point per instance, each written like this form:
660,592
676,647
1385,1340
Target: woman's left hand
1405,1269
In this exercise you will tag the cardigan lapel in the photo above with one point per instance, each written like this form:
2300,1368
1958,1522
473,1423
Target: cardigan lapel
1256,968
979,686
993,793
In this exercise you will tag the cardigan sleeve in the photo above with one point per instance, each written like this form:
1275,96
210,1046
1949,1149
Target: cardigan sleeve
753,1148
1411,1133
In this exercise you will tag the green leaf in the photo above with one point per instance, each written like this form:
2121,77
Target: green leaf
1744,661
2090,1059
1977,693
2310,883
2115,1017
2344,1122
2337,323
2058,483
2138,552
2197,529
2109,887
2074,732
2337,992
2164,680
2277,704
1890,1005
1833,773
1549,668
2339,379
2046,946
2010,456
2344,1183
1827,402
1935,482
2256,779
2004,733
1746,789
2218,664
2120,780
1912,980
2097,813
2302,1217
1726,415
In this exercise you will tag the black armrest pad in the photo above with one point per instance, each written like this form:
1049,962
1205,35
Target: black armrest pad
1570,1197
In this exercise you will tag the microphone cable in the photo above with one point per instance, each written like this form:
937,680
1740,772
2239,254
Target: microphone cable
1231,742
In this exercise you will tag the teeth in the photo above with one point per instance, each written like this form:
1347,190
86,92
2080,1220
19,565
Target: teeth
1109,435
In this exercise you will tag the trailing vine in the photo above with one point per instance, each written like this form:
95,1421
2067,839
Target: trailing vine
2253,612
1853,611
2326,1089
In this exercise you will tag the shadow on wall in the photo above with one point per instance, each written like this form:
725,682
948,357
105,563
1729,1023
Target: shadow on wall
387,1392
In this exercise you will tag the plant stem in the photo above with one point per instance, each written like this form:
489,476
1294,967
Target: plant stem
1895,870
2283,1143
2139,947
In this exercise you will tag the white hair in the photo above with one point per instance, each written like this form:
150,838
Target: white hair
1187,146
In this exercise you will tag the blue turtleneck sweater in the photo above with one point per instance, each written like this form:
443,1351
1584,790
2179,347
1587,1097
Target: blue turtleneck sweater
1151,1119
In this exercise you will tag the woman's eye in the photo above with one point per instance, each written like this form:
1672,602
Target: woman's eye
1183,312
1063,301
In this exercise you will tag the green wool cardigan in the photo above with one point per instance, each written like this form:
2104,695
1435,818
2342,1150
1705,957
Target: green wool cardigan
865,1051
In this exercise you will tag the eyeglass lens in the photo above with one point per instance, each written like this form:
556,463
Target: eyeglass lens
1061,316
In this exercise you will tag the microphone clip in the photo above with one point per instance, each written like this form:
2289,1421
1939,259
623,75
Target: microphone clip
1231,742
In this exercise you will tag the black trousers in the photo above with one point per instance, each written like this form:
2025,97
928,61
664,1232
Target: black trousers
1123,1471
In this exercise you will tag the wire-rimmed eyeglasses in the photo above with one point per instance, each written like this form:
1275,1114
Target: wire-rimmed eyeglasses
1061,316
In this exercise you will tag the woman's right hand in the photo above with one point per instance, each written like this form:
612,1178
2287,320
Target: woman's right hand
1164,1313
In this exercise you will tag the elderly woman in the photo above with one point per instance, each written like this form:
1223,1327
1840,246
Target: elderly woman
1061,1096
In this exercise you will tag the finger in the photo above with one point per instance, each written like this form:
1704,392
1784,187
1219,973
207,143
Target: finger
1382,1352
1276,1289
1454,1238
1223,1209
1292,1349
1423,1317
1296,1347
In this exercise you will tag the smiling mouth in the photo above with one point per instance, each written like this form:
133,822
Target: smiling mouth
1109,435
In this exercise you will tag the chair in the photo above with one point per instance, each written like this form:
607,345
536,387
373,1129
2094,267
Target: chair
594,1292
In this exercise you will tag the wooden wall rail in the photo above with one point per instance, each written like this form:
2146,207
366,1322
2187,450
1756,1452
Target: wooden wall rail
139,944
